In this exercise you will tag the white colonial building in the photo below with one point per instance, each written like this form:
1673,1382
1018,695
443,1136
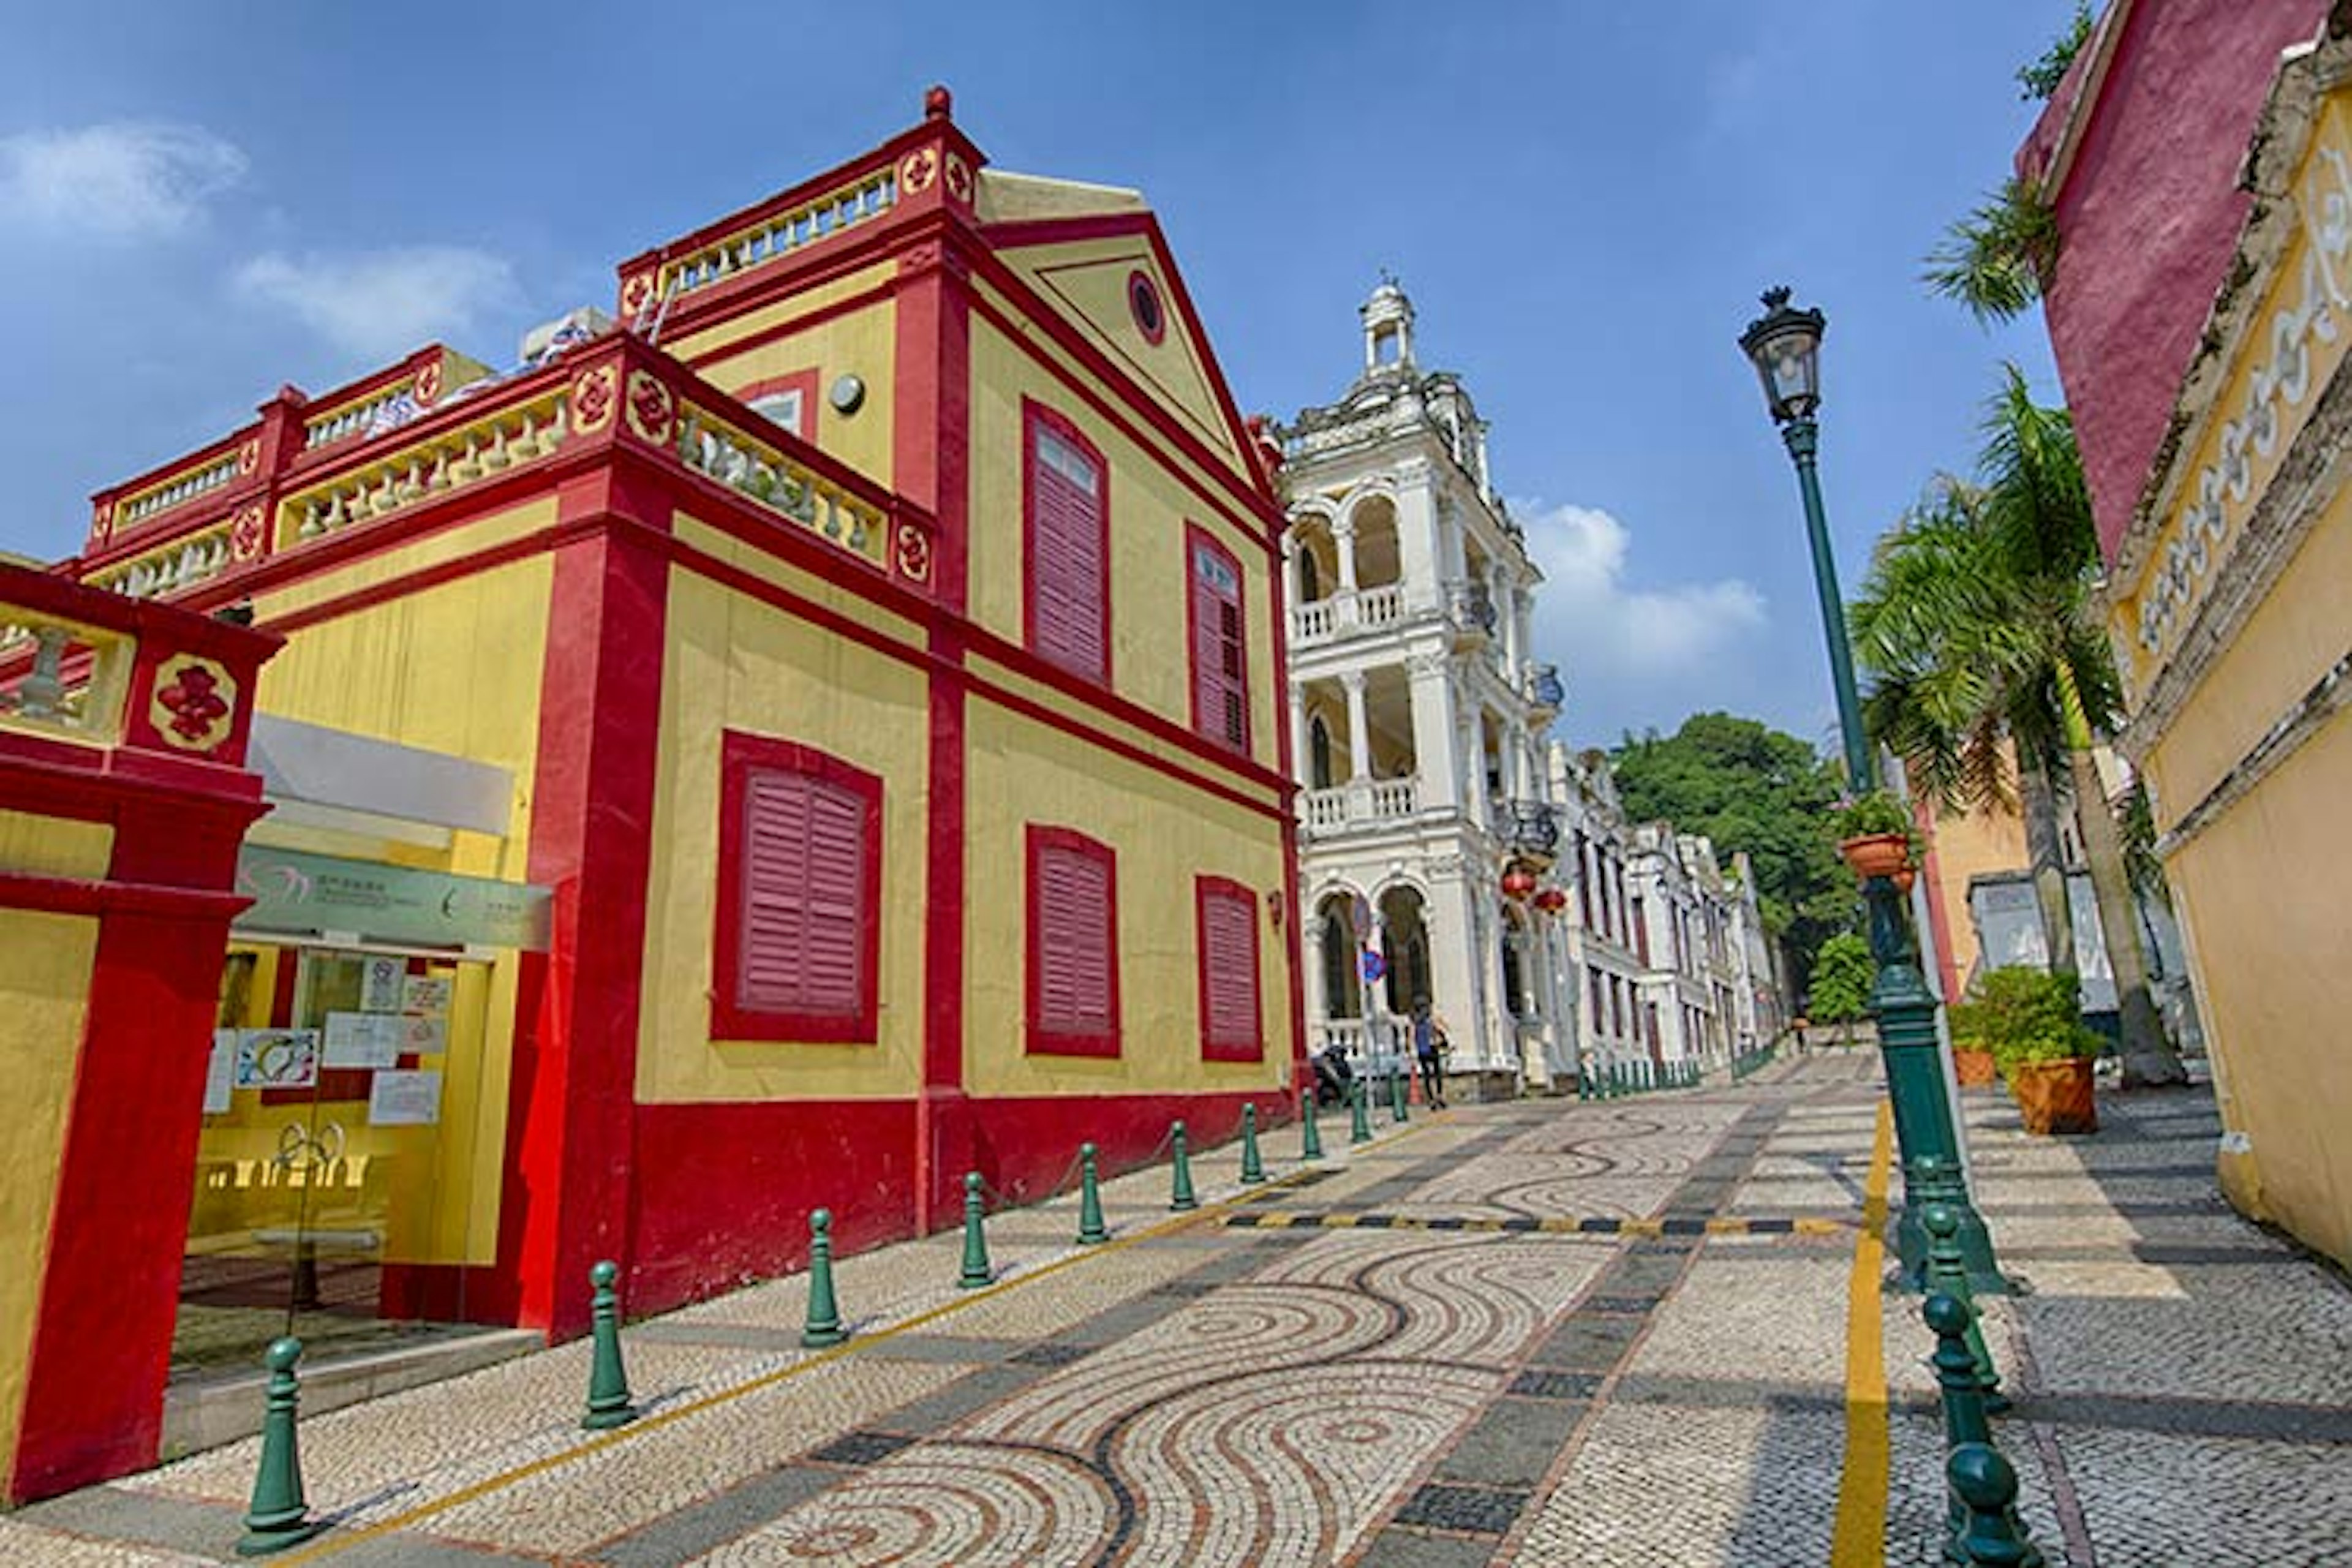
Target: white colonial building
1451,855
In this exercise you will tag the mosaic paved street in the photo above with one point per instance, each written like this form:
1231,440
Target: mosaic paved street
1643,1332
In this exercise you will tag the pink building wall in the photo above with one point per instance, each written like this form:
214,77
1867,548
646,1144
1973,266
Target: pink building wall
2148,213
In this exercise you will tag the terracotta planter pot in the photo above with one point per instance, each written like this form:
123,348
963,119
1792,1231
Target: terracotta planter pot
2055,1096
1880,855
1975,1070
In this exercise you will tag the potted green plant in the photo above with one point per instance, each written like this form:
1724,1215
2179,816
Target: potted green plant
2032,1024
1877,836
1972,1059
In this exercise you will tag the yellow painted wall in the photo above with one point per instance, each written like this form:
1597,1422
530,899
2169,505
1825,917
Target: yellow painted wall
861,342
40,846
1972,844
1087,282
454,668
2298,631
1164,833
1151,635
2268,935
45,974
736,663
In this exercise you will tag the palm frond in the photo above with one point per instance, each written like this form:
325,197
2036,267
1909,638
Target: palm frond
1996,261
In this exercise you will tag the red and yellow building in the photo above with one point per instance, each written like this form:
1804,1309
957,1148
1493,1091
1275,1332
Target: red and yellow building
810,742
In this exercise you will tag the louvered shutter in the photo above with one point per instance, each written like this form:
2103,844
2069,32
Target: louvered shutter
1229,968
1066,488
1220,685
803,877
1075,942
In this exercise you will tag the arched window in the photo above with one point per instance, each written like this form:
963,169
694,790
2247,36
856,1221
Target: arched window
1310,576
1514,996
1340,993
1319,753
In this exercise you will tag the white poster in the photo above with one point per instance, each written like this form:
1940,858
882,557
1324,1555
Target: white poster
404,1098
364,1040
276,1058
220,1072
381,983
427,994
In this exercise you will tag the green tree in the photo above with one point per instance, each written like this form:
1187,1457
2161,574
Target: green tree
1979,625
2041,78
1842,974
1754,789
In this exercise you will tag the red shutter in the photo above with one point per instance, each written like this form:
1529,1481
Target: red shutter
1076,945
1229,981
804,876
1066,583
1219,670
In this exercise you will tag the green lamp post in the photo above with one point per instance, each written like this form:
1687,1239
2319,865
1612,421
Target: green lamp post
1784,344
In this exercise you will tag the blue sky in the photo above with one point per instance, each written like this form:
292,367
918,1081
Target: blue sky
199,203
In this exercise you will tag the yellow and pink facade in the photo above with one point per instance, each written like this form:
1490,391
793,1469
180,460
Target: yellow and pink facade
2198,162
861,667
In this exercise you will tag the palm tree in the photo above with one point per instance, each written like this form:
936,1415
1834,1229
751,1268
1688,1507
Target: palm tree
1996,261
1978,626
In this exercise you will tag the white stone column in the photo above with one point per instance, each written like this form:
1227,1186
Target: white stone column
1302,760
1359,729
1453,981
1420,549
1310,954
1343,537
1434,731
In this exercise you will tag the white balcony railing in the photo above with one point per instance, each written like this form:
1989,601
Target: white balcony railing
1348,613
1359,804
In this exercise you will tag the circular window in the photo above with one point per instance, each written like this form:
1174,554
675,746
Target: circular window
1143,303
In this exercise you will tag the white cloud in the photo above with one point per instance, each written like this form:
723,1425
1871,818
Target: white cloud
123,180
379,303
1600,626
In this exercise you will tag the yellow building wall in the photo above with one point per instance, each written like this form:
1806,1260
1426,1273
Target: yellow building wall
1087,280
734,662
1972,844
37,845
454,668
1150,634
2298,631
1164,833
861,341
2268,936
45,974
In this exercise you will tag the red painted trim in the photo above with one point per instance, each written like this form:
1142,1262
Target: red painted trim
703,363
1205,889
1034,417
1039,1039
803,382
1012,701
85,896
1243,486
1022,234
564,1202
740,756
931,405
1197,538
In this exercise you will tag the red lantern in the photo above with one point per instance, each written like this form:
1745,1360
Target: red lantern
1551,901
1518,882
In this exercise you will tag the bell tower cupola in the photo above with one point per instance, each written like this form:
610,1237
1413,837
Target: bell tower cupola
1388,328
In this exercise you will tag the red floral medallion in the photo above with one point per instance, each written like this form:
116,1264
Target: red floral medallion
917,170
914,552
194,703
591,400
249,457
650,408
636,292
245,534
428,384
958,179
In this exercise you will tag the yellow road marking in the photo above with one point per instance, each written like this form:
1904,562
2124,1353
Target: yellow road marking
1860,1540
330,1545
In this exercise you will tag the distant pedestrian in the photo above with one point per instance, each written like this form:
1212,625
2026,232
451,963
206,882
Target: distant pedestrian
1430,1047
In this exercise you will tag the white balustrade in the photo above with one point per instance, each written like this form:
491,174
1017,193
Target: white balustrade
1380,608
1393,799
387,409
750,466
829,215
1359,803
174,569
447,462
182,489
1310,623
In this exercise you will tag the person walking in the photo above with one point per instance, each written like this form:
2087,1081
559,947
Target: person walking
1429,1047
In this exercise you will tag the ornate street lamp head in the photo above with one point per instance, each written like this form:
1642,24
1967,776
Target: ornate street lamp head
1785,346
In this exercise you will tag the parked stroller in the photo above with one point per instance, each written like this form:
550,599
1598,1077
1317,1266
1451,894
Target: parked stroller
1333,1076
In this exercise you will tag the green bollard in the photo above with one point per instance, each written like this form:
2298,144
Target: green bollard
279,1516
1399,1092
1986,1485
1311,1138
976,1271
608,1383
1934,1179
1359,1116
824,1326
1090,1219
1948,1273
1252,1168
1965,1420
1179,1198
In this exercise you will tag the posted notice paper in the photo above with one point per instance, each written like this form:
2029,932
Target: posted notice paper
404,1098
